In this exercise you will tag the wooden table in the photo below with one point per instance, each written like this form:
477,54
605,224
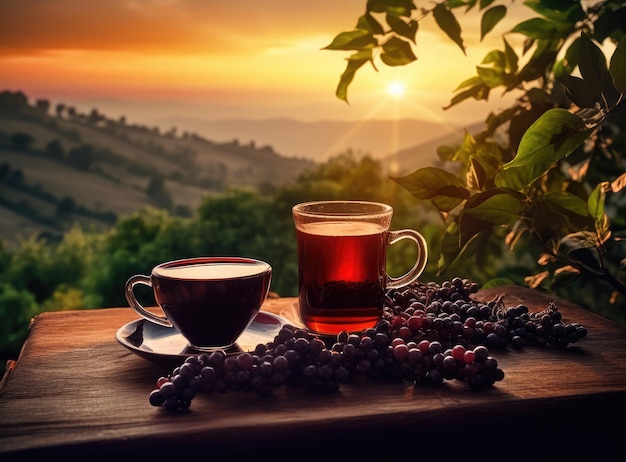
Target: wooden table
75,392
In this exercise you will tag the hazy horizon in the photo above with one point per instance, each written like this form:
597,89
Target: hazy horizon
209,60
311,138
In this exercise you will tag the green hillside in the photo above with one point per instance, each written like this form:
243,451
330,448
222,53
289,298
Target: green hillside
58,166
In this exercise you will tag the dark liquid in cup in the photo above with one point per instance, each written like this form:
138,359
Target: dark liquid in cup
212,304
341,275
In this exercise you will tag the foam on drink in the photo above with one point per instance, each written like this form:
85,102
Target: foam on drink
205,271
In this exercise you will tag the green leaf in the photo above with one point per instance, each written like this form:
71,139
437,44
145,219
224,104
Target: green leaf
442,188
352,40
579,92
552,137
559,212
490,19
492,77
471,82
582,247
478,92
474,246
528,44
397,52
502,208
568,201
393,7
610,23
377,6
402,28
489,155
565,11
354,63
447,22
466,149
496,58
369,23
511,58
618,66
541,61
538,28
446,153
594,70
476,175
460,3
449,248
540,98
471,226
476,217
568,63
595,203
484,4
452,252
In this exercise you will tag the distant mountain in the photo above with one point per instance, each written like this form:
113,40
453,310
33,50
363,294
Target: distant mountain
58,166
322,139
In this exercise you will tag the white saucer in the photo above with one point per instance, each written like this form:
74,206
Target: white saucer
166,344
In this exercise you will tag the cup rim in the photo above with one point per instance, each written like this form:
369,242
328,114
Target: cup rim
314,209
212,259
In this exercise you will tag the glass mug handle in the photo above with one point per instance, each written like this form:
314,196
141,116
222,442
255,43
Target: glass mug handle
420,264
136,306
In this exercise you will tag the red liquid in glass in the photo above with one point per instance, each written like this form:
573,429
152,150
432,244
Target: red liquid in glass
341,275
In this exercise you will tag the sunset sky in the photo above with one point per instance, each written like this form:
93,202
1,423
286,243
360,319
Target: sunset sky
219,59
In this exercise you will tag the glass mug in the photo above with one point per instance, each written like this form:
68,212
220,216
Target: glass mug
210,300
342,251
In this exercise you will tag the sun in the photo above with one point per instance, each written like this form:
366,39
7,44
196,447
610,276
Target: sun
396,89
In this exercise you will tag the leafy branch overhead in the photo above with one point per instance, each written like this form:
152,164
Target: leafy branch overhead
389,29
550,168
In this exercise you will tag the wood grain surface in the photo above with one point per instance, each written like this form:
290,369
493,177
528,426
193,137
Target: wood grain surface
75,391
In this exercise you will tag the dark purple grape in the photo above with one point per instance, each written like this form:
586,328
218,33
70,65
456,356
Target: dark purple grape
429,333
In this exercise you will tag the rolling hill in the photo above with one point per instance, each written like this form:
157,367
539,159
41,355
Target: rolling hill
58,166
319,140
424,154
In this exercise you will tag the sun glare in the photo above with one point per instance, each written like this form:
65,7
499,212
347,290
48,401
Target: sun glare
396,89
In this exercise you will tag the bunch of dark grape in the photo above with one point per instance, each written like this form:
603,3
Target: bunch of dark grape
380,356
429,333
295,358
446,313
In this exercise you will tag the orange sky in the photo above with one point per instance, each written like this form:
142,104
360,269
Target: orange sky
221,59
